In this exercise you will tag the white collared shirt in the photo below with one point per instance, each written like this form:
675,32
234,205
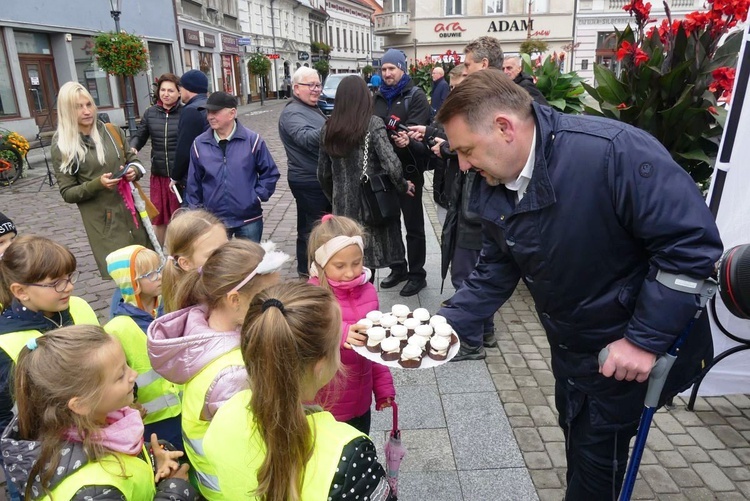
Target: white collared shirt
522,182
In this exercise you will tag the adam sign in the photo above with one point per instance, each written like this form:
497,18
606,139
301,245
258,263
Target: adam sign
449,30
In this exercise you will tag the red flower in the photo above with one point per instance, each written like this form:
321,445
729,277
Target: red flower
622,106
640,10
625,49
640,57
695,21
723,80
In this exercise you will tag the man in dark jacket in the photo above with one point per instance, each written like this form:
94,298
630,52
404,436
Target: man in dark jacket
440,89
231,170
399,97
602,226
512,68
193,122
299,128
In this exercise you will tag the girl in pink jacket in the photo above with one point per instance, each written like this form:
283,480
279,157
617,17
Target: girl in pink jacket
336,252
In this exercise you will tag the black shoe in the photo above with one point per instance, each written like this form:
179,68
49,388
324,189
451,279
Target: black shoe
489,340
467,352
393,280
413,286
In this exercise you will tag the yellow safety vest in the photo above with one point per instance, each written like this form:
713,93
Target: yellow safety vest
194,427
137,485
13,342
159,397
235,447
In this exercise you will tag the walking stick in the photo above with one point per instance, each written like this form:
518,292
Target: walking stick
656,380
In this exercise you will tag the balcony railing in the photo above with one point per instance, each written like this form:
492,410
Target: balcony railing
618,5
393,23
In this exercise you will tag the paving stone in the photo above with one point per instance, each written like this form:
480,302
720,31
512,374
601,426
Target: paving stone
437,486
498,369
710,417
739,423
699,494
517,372
506,484
476,445
667,423
657,441
536,365
713,477
685,477
686,417
526,381
680,440
744,487
419,408
407,377
528,440
504,382
648,456
724,459
513,409
521,421
510,396
642,491
737,474
694,454
514,360
545,479
533,396
466,377
543,416
723,406
739,401
658,479
705,438
551,434
428,450
551,494
556,451
730,436
671,459
537,461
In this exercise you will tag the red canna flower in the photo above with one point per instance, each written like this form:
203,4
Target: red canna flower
622,106
625,49
641,11
723,80
640,57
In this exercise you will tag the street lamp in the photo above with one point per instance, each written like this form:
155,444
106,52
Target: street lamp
116,6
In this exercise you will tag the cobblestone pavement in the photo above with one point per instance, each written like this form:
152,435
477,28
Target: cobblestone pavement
699,455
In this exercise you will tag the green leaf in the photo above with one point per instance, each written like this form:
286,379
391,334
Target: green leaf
557,103
696,154
609,87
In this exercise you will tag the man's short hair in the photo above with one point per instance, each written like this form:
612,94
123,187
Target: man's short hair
302,73
483,93
486,47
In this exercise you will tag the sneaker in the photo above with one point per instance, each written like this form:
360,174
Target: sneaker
413,287
393,280
489,340
466,352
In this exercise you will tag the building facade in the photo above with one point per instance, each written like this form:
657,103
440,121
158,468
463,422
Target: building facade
429,28
45,43
595,30
349,34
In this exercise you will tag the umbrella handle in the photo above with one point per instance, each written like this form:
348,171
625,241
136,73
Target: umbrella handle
394,406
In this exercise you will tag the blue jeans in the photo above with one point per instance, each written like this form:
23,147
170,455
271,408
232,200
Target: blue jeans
13,493
251,231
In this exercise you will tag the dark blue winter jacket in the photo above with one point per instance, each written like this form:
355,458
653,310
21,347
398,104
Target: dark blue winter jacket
231,184
606,208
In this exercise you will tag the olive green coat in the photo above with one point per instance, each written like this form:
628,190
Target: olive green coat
108,222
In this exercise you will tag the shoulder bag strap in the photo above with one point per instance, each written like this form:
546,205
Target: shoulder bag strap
364,176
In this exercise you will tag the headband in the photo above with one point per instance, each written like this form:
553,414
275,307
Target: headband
271,262
325,252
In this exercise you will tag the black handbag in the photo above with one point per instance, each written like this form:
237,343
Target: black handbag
380,204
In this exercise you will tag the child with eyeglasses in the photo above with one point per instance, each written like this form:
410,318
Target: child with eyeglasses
137,272
36,286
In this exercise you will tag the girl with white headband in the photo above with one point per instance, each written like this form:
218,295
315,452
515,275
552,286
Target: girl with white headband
336,254
198,346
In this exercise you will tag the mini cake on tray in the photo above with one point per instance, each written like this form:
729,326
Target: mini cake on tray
400,332
411,357
390,348
366,323
374,317
424,331
437,319
388,320
375,335
400,311
420,341
411,324
439,346
421,314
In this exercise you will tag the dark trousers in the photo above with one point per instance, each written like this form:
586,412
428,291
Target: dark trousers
463,263
597,458
416,245
362,423
312,205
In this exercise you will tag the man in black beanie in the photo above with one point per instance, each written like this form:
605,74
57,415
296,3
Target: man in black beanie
400,98
193,121
8,232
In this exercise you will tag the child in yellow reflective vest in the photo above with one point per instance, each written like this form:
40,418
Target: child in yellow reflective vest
76,436
137,272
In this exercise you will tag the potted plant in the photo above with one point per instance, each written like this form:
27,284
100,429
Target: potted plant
13,150
563,91
671,77
120,53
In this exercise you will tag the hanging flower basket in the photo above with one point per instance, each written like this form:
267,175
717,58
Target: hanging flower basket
258,64
121,53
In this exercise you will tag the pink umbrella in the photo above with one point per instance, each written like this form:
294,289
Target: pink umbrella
394,452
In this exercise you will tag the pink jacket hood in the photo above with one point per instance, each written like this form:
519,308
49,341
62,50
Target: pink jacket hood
181,343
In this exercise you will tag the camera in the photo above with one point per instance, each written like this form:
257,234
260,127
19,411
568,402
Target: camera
733,275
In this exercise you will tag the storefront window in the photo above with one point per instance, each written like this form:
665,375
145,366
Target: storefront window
88,73
454,7
207,67
493,6
161,58
32,43
7,98
188,57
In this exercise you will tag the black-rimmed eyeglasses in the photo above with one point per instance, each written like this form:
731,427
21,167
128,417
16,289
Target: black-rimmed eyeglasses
312,86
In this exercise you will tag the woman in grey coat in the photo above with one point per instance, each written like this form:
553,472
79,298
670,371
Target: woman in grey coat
342,143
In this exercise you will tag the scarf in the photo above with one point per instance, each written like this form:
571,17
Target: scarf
351,284
390,92
123,432
127,196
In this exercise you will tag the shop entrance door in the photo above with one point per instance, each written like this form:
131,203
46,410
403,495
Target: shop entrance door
40,82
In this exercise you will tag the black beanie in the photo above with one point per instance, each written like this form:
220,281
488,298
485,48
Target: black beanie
6,225
194,81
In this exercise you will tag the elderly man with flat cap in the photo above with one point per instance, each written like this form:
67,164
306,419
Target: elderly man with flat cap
231,170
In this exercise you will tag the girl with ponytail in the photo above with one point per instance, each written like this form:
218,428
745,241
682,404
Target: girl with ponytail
282,449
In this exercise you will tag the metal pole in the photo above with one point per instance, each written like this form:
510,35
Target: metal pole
129,113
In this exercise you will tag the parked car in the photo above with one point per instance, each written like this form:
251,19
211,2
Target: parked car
328,94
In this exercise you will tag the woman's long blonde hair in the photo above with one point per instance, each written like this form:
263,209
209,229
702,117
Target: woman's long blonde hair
69,141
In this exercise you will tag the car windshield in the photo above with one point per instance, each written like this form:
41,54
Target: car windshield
332,83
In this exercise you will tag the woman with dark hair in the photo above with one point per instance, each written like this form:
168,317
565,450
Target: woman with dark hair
159,122
351,128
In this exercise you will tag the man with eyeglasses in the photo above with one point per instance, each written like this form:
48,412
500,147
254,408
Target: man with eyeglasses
299,128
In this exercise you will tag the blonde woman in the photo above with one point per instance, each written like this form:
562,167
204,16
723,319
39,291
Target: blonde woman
86,158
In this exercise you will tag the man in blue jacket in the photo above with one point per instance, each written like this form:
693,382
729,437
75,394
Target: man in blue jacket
231,170
192,123
601,225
